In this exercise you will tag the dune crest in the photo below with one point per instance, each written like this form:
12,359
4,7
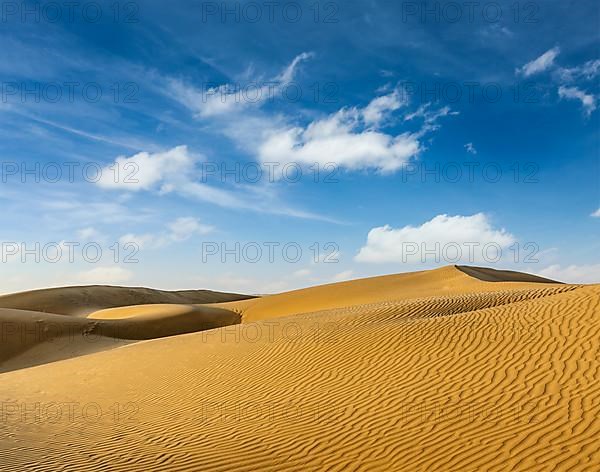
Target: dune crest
495,275
81,301
448,280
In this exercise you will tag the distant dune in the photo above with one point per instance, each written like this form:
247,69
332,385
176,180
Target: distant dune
81,301
454,369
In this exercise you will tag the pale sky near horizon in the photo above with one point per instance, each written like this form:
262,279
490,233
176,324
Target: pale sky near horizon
260,147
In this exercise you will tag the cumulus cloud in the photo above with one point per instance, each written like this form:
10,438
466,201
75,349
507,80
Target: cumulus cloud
145,171
105,275
351,138
596,214
588,101
444,238
541,64
576,274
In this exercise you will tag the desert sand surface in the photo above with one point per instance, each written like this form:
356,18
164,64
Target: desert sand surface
453,369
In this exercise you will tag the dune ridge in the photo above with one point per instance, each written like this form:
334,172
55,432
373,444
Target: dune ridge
81,301
446,280
437,370
495,275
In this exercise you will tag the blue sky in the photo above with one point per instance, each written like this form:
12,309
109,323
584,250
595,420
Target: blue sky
434,131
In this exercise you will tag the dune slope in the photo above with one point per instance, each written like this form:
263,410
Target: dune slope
444,281
474,376
81,301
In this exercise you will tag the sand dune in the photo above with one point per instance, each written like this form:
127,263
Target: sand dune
81,301
31,338
44,326
435,370
444,281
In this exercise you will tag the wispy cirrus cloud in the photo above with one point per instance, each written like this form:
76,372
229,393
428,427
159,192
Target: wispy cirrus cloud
588,101
540,64
175,172
179,230
352,138
566,77
224,99
587,71
575,274
105,275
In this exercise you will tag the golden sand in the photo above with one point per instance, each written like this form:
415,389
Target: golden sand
440,370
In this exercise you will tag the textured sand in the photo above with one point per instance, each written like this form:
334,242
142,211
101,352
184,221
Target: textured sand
436,370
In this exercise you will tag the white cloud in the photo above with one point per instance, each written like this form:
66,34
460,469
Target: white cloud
342,276
76,209
174,171
288,74
429,116
587,71
588,101
145,171
350,138
140,241
442,239
105,275
379,108
596,214
470,148
542,63
581,274
232,98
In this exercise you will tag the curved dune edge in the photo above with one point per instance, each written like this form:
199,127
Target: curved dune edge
450,280
33,338
486,380
150,311
81,301
494,275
